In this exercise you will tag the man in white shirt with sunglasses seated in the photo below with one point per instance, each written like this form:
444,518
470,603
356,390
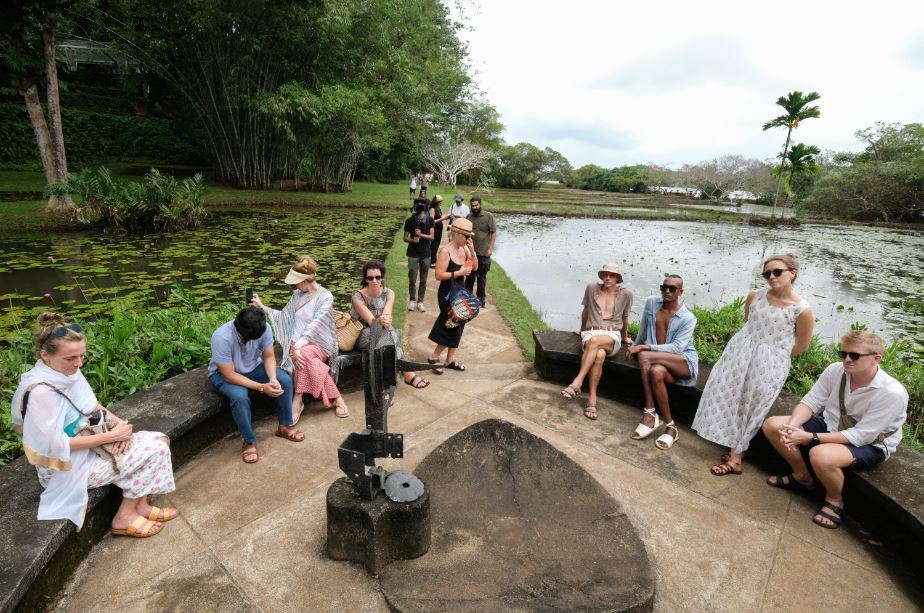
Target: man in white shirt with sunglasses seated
851,418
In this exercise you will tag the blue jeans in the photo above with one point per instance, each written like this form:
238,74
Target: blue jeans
240,399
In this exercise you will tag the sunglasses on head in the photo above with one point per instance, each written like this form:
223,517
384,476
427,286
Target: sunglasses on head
776,272
669,288
853,355
61,331
374,277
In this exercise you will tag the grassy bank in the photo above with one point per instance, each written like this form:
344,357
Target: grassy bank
516,310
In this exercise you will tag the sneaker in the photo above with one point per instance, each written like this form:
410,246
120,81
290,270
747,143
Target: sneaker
411,305
421,307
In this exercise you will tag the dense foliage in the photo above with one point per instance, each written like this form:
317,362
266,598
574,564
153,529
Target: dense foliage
620,179
95,138
158,202
296,87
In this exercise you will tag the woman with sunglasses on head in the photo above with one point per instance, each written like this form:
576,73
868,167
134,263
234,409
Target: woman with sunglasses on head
373,302
52,404
754,366
305,329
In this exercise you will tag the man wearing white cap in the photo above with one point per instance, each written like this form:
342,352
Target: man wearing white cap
604,329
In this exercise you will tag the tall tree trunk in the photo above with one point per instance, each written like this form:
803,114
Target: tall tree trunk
58,156
779,183
29,91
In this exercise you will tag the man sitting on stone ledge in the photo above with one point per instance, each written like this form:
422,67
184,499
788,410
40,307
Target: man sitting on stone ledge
604,328
665,353
851,418
243,360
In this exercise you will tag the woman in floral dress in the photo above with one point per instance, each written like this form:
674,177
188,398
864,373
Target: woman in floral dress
755,364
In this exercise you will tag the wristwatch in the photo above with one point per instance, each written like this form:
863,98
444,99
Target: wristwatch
815,439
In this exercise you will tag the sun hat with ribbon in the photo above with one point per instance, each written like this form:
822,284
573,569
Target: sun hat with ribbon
613,268
462,226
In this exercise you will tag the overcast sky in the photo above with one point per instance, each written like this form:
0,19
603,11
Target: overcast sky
671,81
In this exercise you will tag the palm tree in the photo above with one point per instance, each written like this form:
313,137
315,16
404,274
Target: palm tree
797,109
801,160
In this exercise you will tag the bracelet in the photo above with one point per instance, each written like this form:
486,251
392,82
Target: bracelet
261,388
815,439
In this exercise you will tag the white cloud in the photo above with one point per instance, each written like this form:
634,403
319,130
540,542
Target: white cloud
673,82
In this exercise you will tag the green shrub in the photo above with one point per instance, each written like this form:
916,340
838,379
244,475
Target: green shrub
128,351
159,202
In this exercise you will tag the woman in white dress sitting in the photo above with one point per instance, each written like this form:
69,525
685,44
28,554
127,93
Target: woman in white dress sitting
52,404
755,364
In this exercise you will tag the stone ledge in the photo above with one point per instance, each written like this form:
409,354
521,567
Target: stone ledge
887,499
39,556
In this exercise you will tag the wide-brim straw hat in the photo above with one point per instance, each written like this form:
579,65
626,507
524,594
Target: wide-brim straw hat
462,226
294,277
614,268
438,198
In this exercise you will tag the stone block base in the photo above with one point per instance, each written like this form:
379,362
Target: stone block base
375,532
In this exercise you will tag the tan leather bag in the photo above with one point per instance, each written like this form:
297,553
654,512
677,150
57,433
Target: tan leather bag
348,330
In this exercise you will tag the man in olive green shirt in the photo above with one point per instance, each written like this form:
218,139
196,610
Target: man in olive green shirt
485,234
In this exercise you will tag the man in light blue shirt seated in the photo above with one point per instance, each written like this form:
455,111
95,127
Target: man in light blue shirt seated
851,418
665,354
243,361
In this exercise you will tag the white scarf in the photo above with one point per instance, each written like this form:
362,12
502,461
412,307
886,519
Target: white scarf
46,444
321,332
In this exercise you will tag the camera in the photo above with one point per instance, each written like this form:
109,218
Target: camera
420,206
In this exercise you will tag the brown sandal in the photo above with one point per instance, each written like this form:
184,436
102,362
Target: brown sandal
249,455
290,433
720,470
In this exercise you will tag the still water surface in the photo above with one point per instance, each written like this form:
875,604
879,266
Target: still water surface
849,274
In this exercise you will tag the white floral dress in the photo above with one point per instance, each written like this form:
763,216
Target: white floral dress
749,376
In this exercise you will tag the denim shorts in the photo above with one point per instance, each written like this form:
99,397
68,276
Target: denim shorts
863,456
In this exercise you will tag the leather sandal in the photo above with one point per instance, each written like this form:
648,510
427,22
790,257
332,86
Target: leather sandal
666,441
643,431
249,454
290,433
163,514
438,370
141,528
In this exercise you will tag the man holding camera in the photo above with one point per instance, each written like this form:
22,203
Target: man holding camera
418,233
485,234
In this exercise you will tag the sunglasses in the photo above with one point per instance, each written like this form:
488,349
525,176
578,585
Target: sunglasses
776,272
59,332
374,277
610,274
853,355
669,288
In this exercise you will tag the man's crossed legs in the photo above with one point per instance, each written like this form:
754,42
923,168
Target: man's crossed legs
598,345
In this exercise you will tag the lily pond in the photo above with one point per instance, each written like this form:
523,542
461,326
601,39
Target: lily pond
849,274
82,274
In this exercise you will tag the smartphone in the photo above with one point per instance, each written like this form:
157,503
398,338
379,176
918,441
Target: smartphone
248,296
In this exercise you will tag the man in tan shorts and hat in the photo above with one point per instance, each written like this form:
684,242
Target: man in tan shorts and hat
604,329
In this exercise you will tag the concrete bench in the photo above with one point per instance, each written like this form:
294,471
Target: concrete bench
887,500
39,556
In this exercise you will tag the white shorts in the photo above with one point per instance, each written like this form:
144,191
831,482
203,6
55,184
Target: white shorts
586,335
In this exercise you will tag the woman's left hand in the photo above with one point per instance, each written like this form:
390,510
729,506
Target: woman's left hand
296,354
256,302
121,447
385,320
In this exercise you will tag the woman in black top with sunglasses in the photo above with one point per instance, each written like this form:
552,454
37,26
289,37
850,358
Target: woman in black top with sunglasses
375,301
755,364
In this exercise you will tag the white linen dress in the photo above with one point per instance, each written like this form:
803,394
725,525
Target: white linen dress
749,376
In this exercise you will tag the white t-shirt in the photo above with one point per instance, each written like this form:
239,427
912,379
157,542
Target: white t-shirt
879,408
458,210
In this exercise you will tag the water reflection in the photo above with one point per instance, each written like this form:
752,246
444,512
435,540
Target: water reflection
849,274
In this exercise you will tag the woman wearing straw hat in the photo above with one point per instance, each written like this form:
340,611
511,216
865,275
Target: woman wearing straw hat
604,328
455,261
305,329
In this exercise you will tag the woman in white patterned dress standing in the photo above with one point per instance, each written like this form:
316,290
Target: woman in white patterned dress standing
755,364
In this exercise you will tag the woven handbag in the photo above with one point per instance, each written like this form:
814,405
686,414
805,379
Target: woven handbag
348,330
463,306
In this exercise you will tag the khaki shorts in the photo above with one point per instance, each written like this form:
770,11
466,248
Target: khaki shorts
586,335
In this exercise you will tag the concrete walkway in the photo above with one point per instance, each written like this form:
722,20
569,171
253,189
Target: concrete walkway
251,537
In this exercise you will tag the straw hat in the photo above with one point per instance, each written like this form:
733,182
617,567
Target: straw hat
462,226
438,198
614,268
